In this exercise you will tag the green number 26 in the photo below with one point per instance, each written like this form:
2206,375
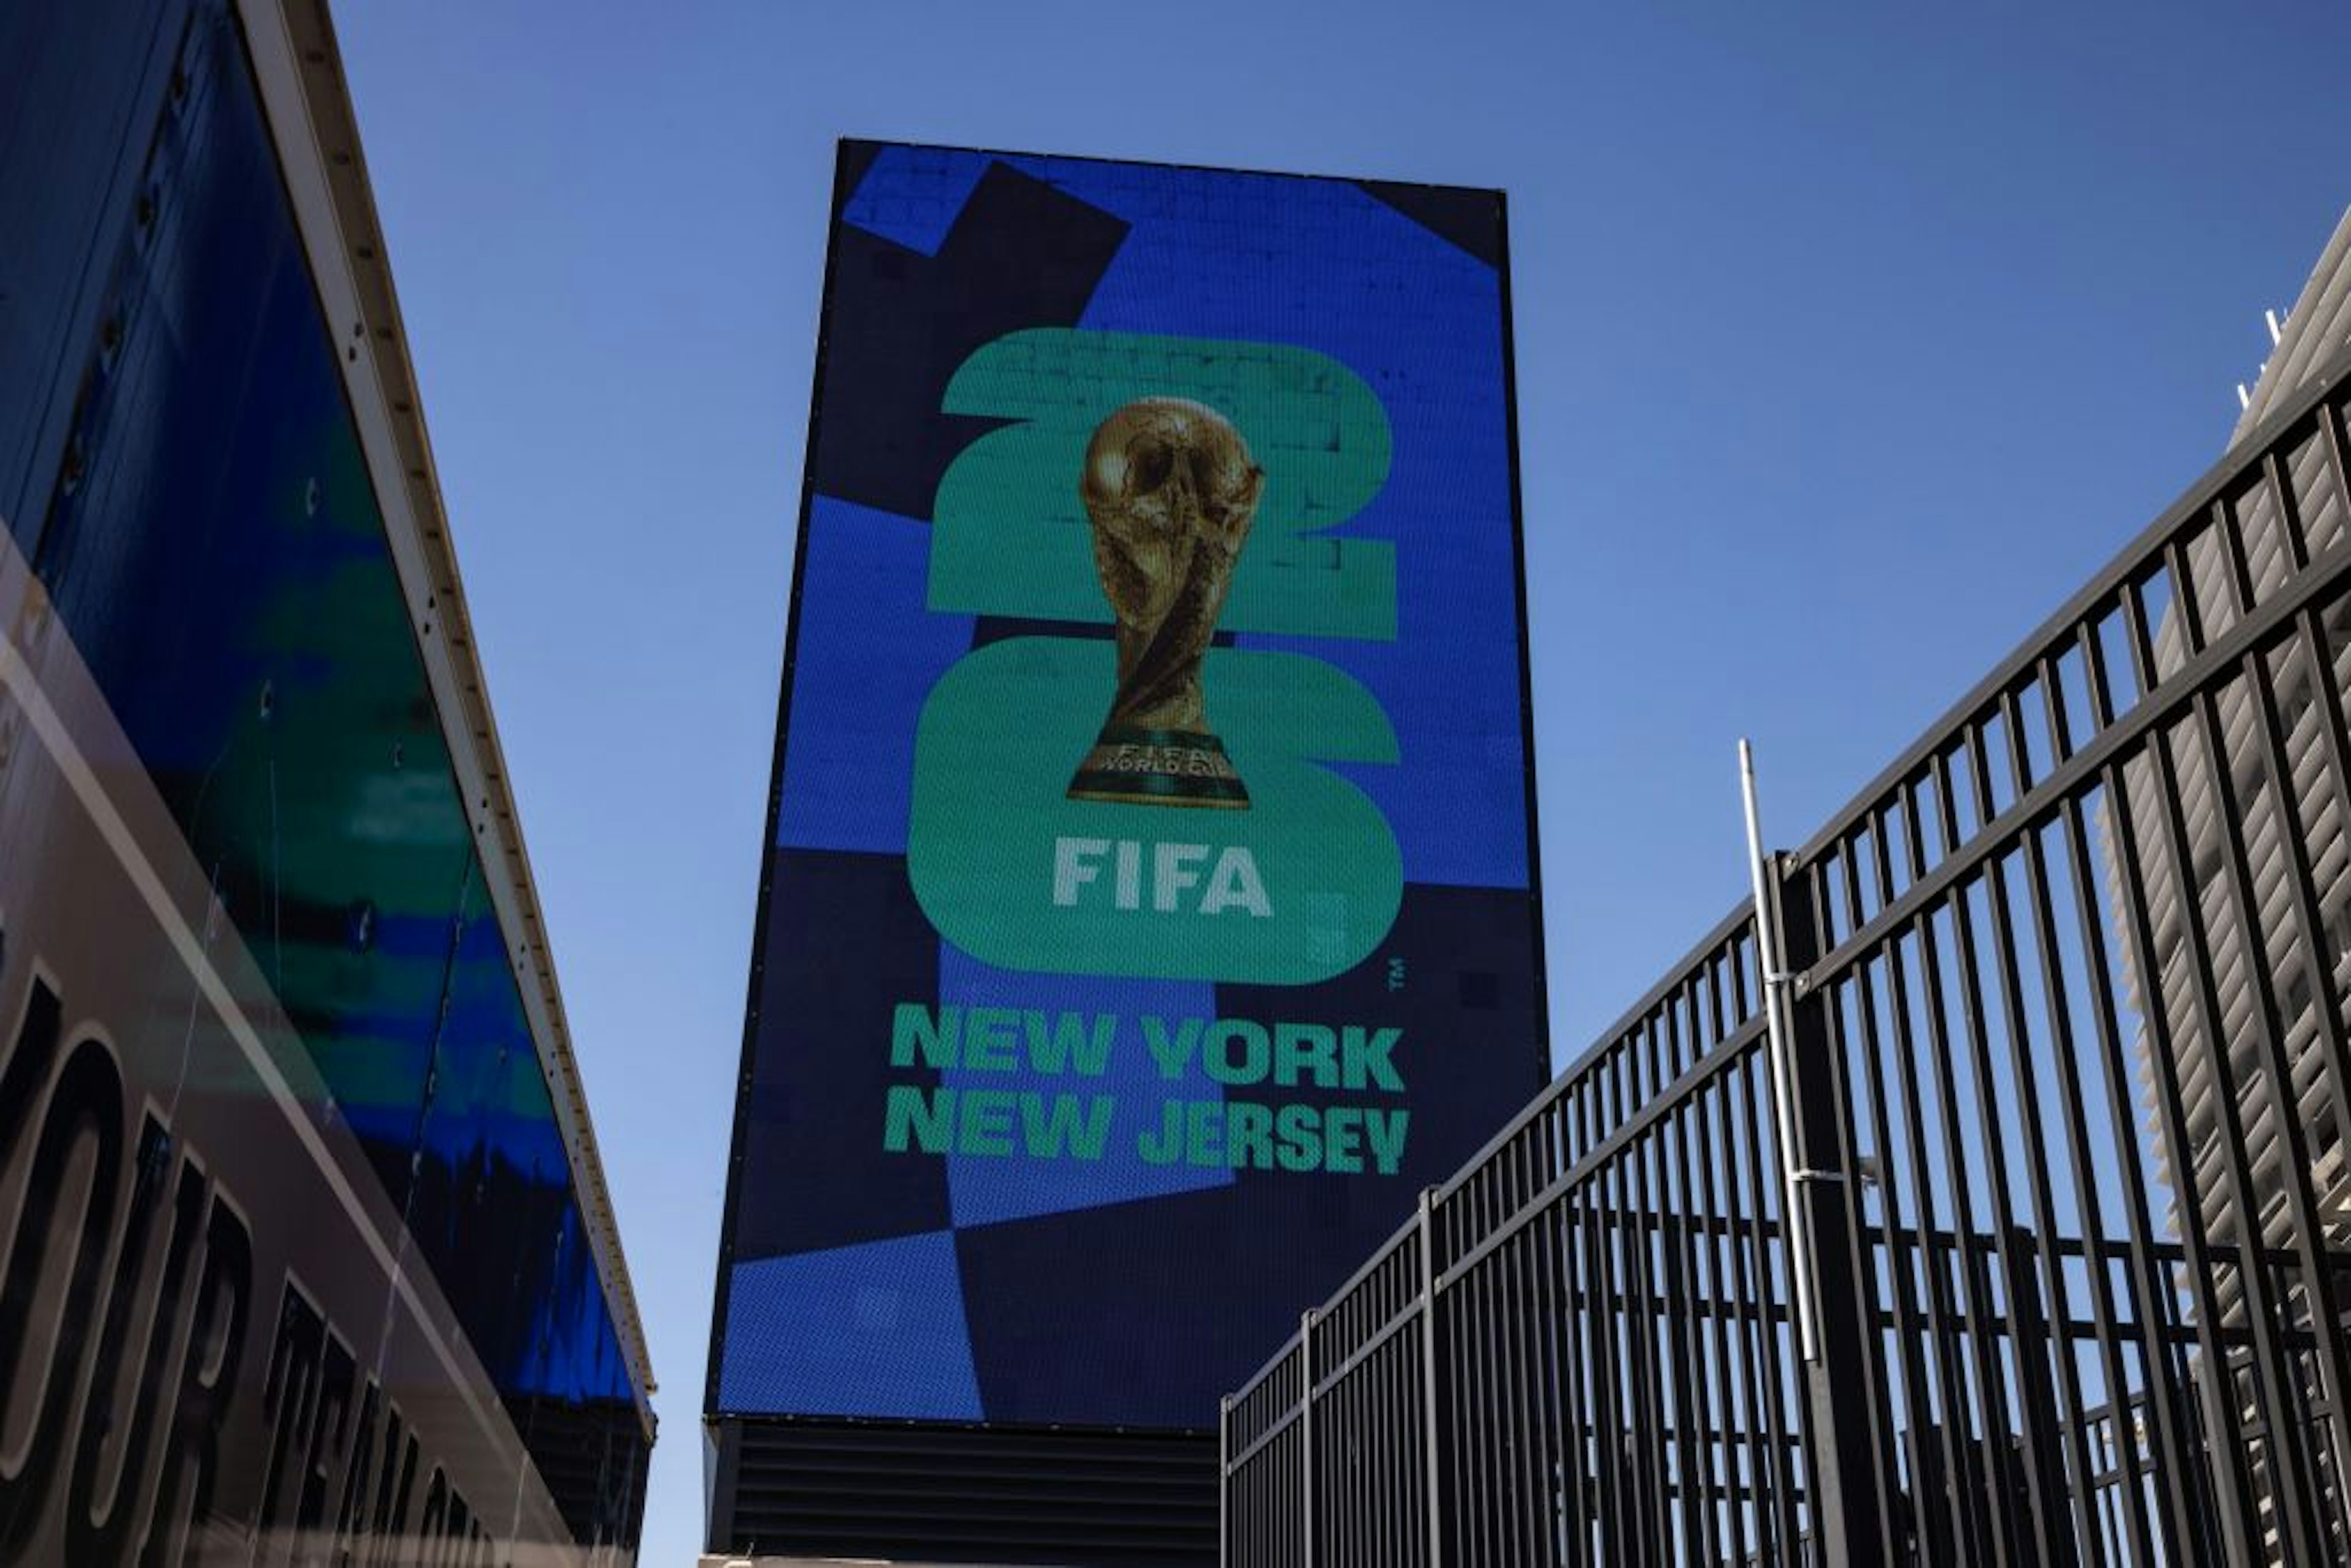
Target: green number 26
1002,730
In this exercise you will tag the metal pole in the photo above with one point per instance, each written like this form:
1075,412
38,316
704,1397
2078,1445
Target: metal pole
1223,1482
1306,1431
1777,982
1429,1445
1850,1476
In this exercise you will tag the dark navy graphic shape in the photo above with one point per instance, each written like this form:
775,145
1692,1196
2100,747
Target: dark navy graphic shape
1164,1267
870,1330
1020,254
855,160
1144,1287
1471,219
817,1176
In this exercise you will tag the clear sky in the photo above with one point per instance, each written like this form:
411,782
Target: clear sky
1850,340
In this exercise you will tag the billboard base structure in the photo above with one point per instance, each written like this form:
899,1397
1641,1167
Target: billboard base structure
786,1490
730,1560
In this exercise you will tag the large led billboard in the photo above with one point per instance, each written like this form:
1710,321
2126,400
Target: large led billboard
1149,907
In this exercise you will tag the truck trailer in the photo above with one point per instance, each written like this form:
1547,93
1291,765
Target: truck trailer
306,1253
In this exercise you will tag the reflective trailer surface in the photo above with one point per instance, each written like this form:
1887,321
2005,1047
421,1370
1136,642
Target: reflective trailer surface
293,1240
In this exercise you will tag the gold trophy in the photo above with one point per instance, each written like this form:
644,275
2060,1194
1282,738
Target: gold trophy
1170,489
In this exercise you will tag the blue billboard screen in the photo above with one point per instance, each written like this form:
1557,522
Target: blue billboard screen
1150,898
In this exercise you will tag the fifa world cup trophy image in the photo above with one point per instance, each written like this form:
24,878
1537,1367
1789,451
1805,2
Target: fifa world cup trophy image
1171,490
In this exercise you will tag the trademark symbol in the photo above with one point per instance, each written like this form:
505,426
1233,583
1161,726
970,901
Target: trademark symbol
1395,974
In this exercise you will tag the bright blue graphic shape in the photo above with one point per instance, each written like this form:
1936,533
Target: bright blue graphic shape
912,195
984,1188
867,655
871,1329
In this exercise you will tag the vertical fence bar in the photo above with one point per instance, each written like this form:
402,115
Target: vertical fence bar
1310,1490
1766,1369
1694,1470
2235,1489
1223,1482
2065,1446
1891,1230
2310,926
2173,1459
1507,1269
2306,1239
1847,1480
1641,1436
1852,1490
2042,910
2043,1470
2294,1516
1579,1394
2064,1046
2151,1299
1549,1313
1432,1468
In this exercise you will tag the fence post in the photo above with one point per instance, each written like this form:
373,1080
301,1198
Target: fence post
1431,1452
1225,1481
1306,1436
1848,1511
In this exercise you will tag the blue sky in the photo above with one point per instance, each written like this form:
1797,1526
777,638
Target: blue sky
1849,340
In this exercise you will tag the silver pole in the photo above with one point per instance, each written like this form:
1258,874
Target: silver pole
1223,1482
1306,1429
1777,984
1429,1450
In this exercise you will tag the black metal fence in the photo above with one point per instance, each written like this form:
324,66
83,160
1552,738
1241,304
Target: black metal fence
2055,1264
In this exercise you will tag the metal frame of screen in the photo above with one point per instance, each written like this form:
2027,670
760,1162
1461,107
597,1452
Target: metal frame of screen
996,1491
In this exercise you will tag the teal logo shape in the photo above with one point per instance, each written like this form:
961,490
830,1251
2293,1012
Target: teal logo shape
1009,536
990,815
1304,882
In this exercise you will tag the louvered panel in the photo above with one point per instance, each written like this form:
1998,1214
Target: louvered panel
935,1493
